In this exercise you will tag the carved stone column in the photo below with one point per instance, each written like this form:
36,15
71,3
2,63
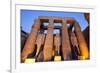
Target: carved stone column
73,38
48,45
82,43
66,49
30,43
39,42
57,43
75,47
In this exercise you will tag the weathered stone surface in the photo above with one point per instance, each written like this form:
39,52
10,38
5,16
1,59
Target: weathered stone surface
48,46
74,41
75,48
66,49
30,43
40,57
57,43
81,40
39,42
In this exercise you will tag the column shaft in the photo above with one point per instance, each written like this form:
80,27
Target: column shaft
48,46
30,43
39,42
66,49
81,40
57,43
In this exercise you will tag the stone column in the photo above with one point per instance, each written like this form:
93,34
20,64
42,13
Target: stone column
48,45
73,38
30,43
75,47
39,42
66,49
81,40
57,43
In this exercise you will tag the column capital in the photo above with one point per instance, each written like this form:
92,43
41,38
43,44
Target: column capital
77,26
36,24
70,21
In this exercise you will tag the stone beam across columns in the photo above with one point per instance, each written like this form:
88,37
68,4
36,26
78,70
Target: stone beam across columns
47,18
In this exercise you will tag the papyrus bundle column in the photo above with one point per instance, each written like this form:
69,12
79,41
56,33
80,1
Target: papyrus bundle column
66,49
57,43
48,46
81,40
30,43
74,43
39,42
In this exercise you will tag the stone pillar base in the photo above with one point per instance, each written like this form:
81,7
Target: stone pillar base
57,58
81,58
30,60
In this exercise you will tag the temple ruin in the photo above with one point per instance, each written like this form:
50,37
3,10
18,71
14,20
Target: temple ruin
44,44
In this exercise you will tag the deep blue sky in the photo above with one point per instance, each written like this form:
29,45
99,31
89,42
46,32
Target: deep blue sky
28,16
